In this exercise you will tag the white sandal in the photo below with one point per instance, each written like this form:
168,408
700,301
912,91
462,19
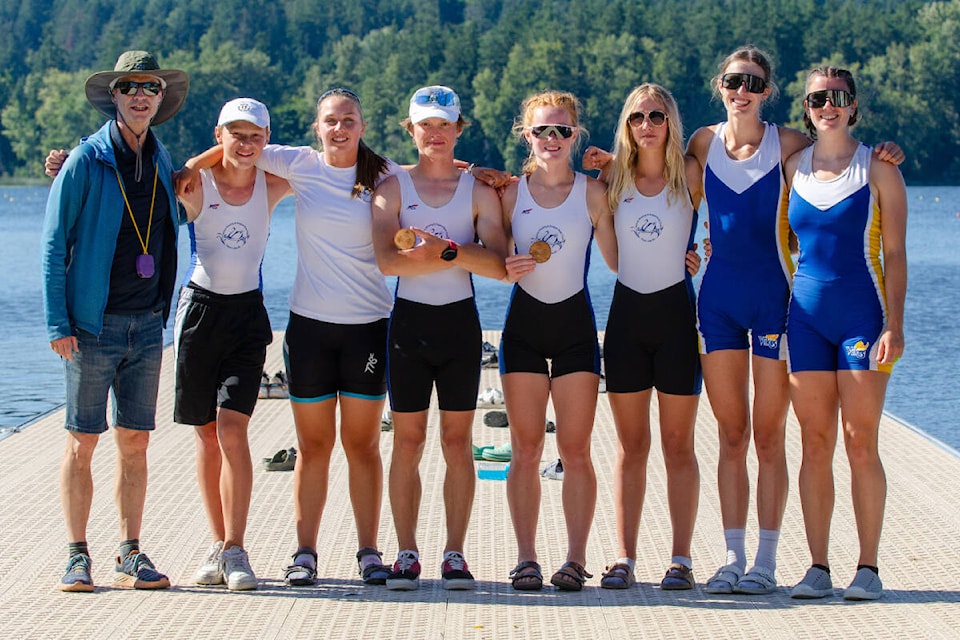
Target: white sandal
724,580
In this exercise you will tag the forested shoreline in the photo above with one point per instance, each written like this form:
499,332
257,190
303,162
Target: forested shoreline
905,54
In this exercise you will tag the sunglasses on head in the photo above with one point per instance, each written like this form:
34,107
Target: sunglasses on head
656,118
752,83
543,131
837,97
442,98
129,87
338,91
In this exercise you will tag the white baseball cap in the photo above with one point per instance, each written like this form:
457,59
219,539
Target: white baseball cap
434,102
246,109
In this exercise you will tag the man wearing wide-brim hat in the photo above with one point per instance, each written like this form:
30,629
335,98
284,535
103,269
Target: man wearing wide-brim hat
109,264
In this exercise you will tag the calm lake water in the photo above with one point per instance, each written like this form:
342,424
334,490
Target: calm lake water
923,390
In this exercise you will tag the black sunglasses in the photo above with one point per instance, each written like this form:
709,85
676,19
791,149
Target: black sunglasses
752,83
129,87
543,131
656,118
837,97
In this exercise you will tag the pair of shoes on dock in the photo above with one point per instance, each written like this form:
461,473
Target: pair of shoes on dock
273,388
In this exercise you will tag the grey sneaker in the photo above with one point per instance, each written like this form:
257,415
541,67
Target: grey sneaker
235,567
137,572
866,585
816,584
209,572
77,576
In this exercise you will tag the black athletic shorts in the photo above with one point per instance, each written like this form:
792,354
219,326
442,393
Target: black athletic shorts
564,333
434,344
651,341
325,359
221,343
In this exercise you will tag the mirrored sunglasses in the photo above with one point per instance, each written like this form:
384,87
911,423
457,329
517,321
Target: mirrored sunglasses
752,83
656,118
543,131
837,97
129,87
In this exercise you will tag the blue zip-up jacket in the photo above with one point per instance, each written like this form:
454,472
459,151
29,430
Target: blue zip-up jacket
84,211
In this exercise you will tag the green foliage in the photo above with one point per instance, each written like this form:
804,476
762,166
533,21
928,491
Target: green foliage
906,54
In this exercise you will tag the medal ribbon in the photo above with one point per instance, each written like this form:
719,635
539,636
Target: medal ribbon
153,199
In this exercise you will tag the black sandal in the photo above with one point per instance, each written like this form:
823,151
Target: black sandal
570,577
375,573
527,576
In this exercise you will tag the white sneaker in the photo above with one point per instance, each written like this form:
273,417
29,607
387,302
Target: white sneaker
866,585
278,386
209,572
816,584
490,397
235,566
554,470
264,386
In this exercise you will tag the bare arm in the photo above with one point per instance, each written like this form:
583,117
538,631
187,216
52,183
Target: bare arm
602,218
422,258
595,158
517,265
891,195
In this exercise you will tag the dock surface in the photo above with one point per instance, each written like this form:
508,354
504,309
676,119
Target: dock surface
919,554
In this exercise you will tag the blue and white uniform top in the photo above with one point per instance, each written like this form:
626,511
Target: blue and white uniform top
837,223
337,277
227,241
451,221
653,235
568,230
747,204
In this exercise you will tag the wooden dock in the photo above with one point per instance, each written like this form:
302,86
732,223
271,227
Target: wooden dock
919,557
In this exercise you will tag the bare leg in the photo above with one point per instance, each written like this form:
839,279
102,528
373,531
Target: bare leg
208,476
725,375
236,475
815,401
409,436
316,434
575,399
678,415
770,404
360,436
76,483
526,396
861,402
459,483
131,479
631,415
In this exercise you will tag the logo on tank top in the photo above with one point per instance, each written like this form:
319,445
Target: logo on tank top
858,350
413,207
553,236
525,211
438,230
366,195
648,227
234,236
371,364
769,341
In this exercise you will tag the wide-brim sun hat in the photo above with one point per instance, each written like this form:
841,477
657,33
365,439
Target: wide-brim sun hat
130,63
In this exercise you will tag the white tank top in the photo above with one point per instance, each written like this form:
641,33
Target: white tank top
739,175
568,230
652,240
452,221
337,277
227,242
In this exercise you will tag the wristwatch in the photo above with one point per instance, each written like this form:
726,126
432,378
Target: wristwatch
450,253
